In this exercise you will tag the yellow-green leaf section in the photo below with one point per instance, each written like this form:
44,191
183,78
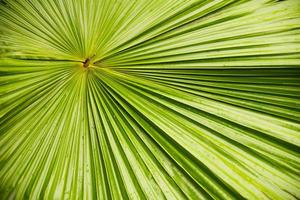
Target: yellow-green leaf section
149,99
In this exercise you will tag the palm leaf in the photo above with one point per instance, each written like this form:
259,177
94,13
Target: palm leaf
161,99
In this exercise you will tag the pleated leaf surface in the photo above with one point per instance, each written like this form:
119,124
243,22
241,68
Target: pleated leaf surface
149,99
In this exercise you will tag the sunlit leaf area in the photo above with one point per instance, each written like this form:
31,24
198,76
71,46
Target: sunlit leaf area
149,99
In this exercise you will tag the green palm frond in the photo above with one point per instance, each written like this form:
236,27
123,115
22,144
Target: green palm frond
150,99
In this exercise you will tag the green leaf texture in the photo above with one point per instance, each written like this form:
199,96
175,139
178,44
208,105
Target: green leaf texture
150,99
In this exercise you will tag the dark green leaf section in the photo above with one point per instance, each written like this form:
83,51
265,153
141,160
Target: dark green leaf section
162,99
